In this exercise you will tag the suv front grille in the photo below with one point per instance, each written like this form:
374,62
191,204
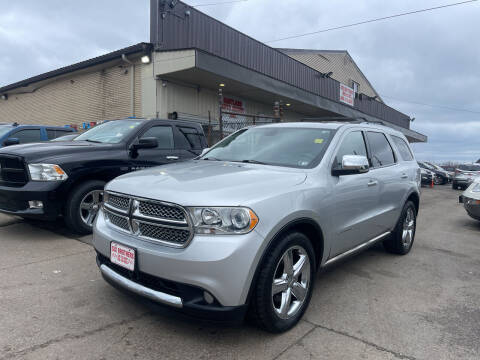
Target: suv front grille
12,171
151,220
161,211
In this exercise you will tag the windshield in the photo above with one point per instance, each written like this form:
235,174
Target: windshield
468,167
4,129
112,132
280,146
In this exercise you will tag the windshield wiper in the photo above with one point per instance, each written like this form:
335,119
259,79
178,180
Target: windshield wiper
93,141
211,158
251,161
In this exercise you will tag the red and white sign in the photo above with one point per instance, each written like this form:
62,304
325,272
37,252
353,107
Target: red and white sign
233,105
347,94
122,255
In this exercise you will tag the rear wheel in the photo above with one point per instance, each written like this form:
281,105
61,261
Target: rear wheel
83,205
285,283
401,240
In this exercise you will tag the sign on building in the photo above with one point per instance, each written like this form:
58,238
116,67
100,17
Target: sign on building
347,95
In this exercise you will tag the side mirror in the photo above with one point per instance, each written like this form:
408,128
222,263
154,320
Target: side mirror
204,151
11,141
144,143
351,165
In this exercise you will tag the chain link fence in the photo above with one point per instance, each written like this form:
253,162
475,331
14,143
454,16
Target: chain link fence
230,122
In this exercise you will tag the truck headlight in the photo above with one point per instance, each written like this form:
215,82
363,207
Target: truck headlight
46,172
223,220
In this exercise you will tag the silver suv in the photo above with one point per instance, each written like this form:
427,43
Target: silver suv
245,226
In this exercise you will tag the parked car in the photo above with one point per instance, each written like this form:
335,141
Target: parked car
444,174
441,176
427,176
465,174
47,180
65,137
15,134
471,200
247,224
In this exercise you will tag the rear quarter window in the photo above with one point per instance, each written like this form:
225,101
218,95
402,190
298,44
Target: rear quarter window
403,148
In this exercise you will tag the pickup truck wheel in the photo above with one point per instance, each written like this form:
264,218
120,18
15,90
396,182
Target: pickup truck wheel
285,283
401,240
83,205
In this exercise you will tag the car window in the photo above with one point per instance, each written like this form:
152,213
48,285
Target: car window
55,133
381,151
27,136
111,132
192,136
164,135
278,146
4,129
469,167
403,148
352,144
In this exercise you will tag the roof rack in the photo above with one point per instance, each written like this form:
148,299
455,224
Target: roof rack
352,120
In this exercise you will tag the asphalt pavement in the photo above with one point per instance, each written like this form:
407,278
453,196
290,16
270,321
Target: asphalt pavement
426,305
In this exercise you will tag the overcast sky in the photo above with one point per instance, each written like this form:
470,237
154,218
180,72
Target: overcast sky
431,58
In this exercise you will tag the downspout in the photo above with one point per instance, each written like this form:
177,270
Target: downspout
132,83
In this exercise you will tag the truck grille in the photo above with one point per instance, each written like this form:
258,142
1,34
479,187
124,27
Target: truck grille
151,220
12,171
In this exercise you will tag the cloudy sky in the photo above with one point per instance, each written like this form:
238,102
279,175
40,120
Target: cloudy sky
429,58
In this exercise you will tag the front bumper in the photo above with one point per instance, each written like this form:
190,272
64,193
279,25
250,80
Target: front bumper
14,200
221,265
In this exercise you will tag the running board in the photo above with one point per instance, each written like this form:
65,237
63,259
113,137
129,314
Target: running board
356,249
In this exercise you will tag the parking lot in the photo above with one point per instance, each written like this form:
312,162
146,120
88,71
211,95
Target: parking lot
426,305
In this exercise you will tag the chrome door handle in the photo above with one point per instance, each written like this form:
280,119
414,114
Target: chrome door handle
404,176
372,183
172,157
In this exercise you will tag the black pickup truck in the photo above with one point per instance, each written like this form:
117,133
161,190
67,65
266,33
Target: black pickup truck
52,179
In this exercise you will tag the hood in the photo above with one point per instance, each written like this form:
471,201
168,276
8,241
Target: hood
55,149
209,183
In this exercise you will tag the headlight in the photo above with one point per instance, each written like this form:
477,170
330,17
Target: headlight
223,220
476,188
46,172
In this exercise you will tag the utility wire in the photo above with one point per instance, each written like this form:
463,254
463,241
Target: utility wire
432,105
219,3
371,20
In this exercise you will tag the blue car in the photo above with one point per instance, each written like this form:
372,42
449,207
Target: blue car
14,134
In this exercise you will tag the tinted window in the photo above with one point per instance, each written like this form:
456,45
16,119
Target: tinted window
352,144
192,136
469,167
27,136
381,151
54,133
403,148
164,135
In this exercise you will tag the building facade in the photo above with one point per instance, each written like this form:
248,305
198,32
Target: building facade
194,68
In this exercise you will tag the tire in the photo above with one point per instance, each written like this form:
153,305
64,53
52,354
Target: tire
83,194
265,307
438,181
396,243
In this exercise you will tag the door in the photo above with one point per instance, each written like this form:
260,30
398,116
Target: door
356,199
389,173
164,153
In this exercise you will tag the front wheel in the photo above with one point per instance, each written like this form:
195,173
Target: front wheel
285,283
401,240
83,205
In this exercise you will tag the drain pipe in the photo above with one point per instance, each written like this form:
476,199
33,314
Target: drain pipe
132,83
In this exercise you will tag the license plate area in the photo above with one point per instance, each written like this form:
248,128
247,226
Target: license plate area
122,255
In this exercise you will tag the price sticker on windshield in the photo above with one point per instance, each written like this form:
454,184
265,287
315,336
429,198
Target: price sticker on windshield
318,141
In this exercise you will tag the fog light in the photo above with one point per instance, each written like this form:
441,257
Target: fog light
35,204
208,297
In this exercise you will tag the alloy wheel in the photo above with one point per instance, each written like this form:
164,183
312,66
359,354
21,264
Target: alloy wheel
291,282
90,205
408,228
